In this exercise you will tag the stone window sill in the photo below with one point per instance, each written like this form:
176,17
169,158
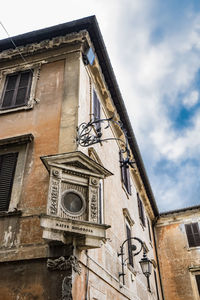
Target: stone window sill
10,213
193,248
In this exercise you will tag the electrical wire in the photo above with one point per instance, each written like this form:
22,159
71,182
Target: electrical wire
14,44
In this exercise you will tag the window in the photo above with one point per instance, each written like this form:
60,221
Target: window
198,282
195,280
8,163
16,90
125,174
13,152
149,229
129,242
141,210
96,111
193,234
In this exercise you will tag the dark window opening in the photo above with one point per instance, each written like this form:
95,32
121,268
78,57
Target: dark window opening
17,90
141,210
198,282
96,111
125,174
130,254
149,229
193,234
8,163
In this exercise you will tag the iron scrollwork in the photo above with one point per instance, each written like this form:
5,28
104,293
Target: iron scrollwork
89,134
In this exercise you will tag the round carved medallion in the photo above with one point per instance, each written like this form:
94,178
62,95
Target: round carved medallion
73,202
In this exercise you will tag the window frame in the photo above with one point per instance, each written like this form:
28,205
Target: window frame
16,89
19,144
96,110
129,243
125,175
141,210
195,271
149,229
198,283
31,99
8,162
189,241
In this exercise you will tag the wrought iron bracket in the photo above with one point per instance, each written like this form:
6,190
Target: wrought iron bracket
91,133
121,253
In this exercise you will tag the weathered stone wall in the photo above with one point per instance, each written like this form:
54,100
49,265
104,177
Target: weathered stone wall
31,280
175,256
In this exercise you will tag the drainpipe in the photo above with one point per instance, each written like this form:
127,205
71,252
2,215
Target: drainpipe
154,238
87,278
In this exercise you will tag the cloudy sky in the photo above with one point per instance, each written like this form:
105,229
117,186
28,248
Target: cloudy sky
154,47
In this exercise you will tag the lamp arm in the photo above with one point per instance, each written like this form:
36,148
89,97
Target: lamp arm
132,238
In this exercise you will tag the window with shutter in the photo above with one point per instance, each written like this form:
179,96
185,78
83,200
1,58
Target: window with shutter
125,174
16,90
193,234
198,282
8,163
96,111
13,154
141,210
149,229
130,254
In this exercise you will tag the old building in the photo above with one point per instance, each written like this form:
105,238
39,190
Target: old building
76,206
178,246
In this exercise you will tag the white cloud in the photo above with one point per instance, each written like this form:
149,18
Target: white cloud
191,99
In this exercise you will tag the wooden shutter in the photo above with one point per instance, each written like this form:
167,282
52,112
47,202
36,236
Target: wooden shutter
141,210
149,229
17,89
193,234
130,254
96,110
125,174
198,282
7,170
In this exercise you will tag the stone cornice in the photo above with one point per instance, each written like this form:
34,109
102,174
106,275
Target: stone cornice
47,44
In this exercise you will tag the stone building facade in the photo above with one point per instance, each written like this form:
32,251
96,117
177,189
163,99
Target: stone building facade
68,198
178,246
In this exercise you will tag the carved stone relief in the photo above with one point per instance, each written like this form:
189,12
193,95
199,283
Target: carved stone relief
64,264
94,206
93,199
54,194
67,288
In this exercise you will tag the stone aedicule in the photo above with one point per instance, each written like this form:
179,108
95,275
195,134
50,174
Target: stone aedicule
73,199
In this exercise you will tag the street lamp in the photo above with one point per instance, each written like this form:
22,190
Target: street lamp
145,263
146,266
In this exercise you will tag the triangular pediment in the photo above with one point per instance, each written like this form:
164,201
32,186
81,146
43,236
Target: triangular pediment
75,161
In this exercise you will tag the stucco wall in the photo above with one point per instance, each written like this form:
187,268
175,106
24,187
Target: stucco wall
175,256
